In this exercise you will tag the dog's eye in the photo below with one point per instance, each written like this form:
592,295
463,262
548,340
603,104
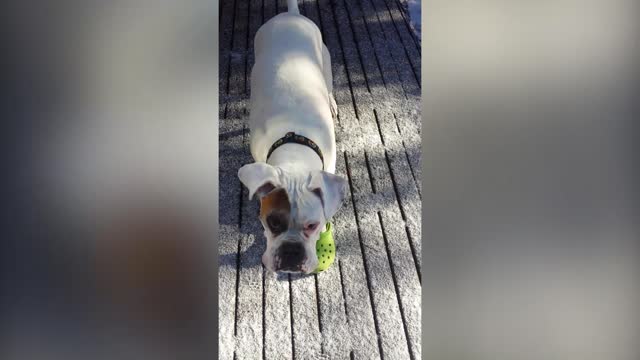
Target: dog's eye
276,224
311,227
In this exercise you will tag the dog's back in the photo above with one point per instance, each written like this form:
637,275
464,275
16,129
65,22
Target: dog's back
289,87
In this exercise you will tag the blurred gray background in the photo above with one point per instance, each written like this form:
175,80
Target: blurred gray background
530,191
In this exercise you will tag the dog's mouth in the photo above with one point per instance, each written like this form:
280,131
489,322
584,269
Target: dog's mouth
290,256
286,265
280,265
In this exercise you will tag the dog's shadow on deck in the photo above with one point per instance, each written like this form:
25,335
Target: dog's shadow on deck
249,240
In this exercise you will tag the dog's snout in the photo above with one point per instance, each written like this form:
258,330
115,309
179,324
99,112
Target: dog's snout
290,257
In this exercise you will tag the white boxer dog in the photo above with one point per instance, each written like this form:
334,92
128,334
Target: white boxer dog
292,140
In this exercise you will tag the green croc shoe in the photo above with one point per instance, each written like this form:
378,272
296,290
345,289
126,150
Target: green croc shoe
325,249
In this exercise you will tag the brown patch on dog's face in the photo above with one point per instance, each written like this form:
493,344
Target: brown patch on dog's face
275,209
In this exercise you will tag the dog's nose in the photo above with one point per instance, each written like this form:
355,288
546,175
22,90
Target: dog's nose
290,257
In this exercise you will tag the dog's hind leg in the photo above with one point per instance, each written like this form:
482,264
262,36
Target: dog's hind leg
328,78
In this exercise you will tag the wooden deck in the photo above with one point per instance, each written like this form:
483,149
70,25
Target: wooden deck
367,305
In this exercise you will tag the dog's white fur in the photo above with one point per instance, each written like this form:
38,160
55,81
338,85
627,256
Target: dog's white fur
291,90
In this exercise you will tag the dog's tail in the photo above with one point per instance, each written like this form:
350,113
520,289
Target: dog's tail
292,6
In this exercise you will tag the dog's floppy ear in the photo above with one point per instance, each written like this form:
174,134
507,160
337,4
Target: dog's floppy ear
260,178
330,188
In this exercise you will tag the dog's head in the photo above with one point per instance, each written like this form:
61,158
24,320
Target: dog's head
294,209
